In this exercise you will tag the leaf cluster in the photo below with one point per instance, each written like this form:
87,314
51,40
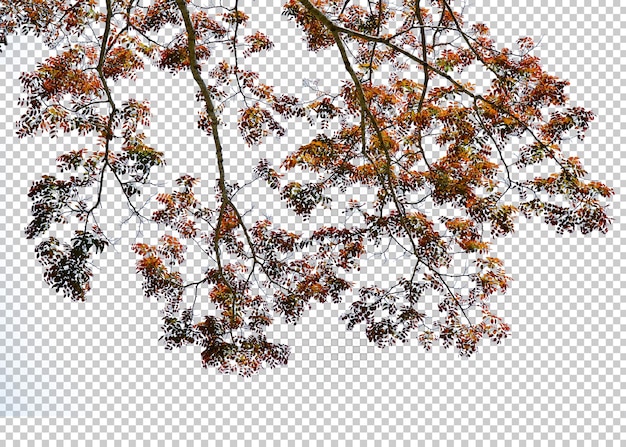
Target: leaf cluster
414,139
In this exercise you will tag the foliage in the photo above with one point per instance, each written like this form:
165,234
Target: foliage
415,138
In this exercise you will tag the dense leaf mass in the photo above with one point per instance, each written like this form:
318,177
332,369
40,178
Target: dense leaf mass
406,129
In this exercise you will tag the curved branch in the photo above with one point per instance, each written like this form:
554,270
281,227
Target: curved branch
365,110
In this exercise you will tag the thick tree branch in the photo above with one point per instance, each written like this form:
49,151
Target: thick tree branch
365,111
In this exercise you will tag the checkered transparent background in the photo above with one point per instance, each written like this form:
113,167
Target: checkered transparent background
93,373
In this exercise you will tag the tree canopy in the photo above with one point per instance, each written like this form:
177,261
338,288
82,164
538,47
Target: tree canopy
403,125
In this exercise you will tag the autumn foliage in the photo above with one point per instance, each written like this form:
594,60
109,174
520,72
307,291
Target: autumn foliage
405,127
